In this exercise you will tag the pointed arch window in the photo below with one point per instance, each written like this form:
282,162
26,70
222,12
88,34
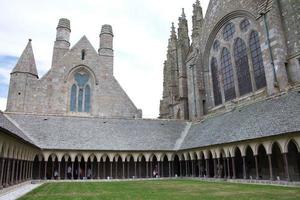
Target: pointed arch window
80,100
227,73
257,60
215,80
242,67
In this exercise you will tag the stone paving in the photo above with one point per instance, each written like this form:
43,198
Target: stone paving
18,191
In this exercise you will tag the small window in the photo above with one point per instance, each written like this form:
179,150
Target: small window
228,31
216,45
83,54
244,25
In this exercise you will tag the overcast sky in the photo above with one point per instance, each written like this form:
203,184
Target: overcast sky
141,29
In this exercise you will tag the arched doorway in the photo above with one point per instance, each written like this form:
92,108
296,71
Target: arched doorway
238,163
293,159
277,162
263,164
250,163
36,168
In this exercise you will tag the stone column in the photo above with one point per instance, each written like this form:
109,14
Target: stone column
162,169
7,172
233,168
116,169
225,167
66,169
170,175
219,172
39,172
72,173
2,160
270,166
244,168
256,167
58,171
85,169
199,167
186,168
215,168
147,169
111,169
123,169
45,170
78,170
228,168
135,169
158,168
104,170
286,166
193,168
98,170
207,168
13,172
17,172
52,170
128,169
151,170
180,168
31,169
140,169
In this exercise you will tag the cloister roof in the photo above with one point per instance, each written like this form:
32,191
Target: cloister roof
270,117
9,126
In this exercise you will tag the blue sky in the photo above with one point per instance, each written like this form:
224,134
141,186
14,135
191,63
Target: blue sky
141,29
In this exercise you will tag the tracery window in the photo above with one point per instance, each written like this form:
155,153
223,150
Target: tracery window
215,80
242,67
228,31
257,60
227,72
80,99
229,49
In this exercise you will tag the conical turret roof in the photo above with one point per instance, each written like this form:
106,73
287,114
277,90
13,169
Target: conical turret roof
26,63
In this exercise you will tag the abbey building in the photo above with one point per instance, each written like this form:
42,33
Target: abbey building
230,107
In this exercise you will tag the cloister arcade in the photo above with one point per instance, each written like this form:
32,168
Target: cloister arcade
276,159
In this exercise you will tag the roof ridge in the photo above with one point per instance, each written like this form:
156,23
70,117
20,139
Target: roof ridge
183,134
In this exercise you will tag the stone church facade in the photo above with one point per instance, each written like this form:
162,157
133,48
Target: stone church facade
230,106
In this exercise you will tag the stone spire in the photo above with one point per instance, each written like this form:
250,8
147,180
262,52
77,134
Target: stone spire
197,19
26,63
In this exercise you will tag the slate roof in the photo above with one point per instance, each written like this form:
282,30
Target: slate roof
26,62
265,118
59,132
275,116
7,125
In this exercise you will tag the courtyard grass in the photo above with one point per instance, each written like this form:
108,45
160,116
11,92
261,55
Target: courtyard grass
160,189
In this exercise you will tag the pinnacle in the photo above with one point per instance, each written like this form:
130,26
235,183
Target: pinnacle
183,14
173,32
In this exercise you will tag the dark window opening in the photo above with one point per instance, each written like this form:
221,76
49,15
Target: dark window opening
82,54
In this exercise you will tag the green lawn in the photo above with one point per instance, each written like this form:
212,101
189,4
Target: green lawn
160,189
